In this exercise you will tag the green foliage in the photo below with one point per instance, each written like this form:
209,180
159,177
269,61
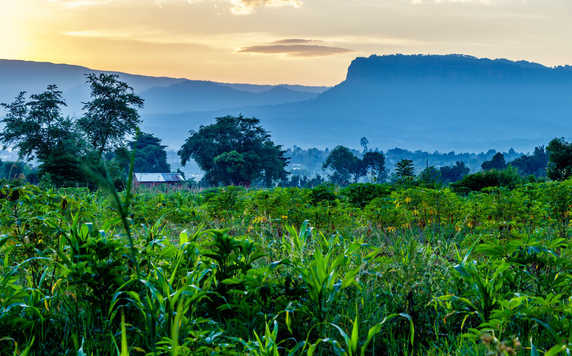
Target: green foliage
18,170
359,195
36,128
497,162
451,174
404,170
150,154
374,162
492,178
560,159
111,114
235,150
346,165
430,177
532,165
364,270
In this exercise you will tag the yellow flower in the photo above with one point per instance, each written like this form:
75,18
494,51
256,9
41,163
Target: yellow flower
284,217
407,200
259,219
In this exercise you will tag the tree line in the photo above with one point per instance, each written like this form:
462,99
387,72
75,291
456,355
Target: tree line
68,150
231,151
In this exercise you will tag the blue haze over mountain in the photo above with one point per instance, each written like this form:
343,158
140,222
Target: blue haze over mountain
161,94
451,102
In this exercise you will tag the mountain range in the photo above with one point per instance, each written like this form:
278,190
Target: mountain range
430,102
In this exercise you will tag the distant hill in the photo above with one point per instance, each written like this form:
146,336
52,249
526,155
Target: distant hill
163,95
198,96
428,102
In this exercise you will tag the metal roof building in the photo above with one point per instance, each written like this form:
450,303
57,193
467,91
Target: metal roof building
157,179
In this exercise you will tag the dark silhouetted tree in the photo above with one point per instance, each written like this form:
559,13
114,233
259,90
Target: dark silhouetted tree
111,114
150,154
497,162
375,165
364,142
508,177
560,159
450,174
345,165
532,165
235,150
430,177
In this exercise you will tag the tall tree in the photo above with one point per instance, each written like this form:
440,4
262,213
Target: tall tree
235,150
497,162
37,129
344,165
364,142
430,177
375,164
111,114
404,169
560,159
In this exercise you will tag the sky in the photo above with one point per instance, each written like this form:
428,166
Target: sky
308,42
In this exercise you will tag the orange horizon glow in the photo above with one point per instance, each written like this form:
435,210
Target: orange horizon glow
276,41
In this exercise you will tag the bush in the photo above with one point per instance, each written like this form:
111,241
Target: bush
359,195
508,178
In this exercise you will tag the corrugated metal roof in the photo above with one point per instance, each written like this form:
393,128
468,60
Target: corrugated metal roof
158,177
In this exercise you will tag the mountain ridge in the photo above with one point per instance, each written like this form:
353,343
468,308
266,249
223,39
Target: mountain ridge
459,110
431,102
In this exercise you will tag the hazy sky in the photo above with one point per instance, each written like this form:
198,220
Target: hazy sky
277,41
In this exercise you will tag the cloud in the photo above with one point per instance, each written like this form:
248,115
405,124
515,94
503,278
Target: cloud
247,7
296,41
237,7
81,3
296,47
482,2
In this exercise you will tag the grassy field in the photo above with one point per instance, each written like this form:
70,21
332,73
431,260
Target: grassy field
362,270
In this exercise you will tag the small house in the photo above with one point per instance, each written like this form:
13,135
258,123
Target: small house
151,180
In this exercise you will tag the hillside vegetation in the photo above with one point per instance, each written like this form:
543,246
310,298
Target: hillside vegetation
363,270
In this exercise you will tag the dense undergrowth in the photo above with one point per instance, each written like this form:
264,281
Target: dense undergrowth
368,269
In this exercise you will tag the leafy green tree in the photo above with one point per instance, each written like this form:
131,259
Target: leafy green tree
36,128
150,154
64,168
232,168
430,177
345,165
534,164
404,169
375,164
560,159
235,150
497,162
111,114
450,174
